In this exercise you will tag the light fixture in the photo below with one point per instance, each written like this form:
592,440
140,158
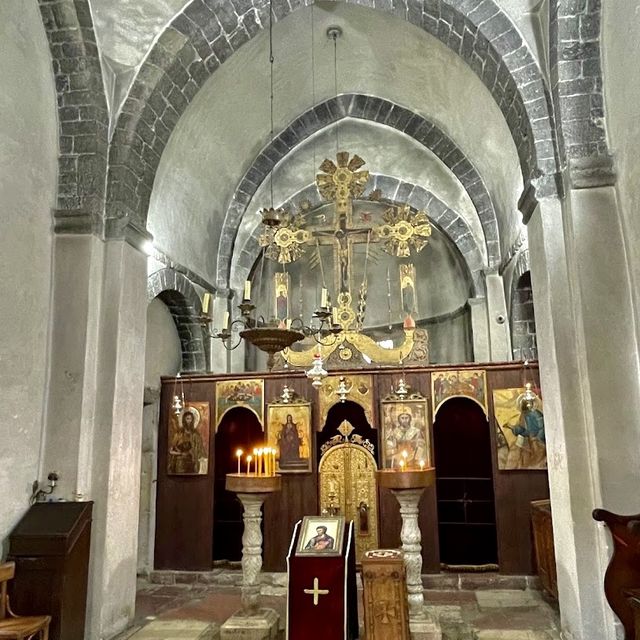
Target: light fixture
317,373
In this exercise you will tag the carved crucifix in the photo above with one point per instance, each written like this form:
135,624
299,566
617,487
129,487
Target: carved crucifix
342,182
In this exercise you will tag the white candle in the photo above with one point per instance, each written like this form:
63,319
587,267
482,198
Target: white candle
206,301
225,320
247,290
421,465
335,315
249,459
324,299
239,456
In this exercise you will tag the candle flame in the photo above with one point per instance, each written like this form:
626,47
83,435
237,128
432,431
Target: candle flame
239,453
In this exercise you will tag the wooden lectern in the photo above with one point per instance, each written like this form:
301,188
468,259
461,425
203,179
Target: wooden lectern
50,547
321,592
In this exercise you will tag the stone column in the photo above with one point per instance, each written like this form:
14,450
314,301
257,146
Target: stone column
412,548
498,318
94,414
251,547
480,328
590,385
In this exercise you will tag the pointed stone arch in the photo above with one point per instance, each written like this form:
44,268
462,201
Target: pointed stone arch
372,109
454,227
208,32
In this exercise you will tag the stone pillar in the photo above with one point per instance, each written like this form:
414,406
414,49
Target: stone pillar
480,328
498,318
94,422
251,547
591,391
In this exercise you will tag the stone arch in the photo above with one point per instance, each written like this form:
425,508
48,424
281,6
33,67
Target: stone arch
522,312
180,296
447,220
82,116
577,86
372,109
207,32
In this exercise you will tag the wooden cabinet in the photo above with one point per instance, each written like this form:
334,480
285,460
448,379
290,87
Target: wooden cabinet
50,547
543,545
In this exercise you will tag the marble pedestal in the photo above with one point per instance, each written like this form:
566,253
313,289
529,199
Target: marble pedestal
252,622
407,487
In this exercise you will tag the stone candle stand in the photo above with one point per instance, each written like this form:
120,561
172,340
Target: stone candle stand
251,622
407,486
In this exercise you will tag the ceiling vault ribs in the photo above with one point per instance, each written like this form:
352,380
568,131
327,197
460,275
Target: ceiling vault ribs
208,32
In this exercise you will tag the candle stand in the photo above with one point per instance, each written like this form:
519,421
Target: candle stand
251,622
407,486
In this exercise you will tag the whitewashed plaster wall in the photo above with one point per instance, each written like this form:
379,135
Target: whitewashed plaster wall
163,354
28,171
621,47
227,123
126,29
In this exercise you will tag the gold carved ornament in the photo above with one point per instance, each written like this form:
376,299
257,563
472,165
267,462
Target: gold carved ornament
348,487
403,230
342,182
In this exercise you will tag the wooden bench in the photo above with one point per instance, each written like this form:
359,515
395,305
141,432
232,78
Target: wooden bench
13,627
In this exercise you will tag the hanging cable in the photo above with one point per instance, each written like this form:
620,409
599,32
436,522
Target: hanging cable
271,87
335,35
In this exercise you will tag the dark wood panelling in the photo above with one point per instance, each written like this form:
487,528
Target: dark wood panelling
514,490
184,528
184,507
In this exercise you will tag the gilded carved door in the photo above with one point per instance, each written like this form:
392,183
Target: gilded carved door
348,487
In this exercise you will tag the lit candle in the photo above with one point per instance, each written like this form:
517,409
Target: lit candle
239,456
247,290
324,299
405,456
259,470
249,459
206,301
421,465
266,461
334,315
402,463
273,461
225,321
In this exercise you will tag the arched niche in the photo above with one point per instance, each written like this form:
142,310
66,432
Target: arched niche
239,428
464,483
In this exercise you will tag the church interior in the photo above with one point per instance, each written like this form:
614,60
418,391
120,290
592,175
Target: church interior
320,310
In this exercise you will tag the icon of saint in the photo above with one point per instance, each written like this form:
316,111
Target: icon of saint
321,541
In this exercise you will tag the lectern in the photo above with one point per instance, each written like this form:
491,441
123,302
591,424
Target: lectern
321,591
50,547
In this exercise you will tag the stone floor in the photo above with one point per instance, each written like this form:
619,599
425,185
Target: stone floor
486,613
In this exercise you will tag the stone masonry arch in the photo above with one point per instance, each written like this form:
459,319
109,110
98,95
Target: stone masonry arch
180,296
373,109
207,32
448,221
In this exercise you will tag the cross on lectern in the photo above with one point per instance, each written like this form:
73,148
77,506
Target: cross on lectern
316,591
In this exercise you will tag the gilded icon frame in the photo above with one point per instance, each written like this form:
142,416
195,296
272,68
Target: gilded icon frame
277,419
391,408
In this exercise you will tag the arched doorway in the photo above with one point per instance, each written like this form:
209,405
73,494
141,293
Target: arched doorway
347,450
465,495
238,429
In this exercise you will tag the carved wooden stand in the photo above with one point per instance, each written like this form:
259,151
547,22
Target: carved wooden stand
252,622
407,487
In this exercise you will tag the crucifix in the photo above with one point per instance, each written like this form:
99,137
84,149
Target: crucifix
342,183
316,591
